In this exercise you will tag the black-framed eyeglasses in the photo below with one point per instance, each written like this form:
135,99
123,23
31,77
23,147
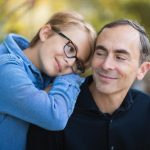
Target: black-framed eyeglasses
70,51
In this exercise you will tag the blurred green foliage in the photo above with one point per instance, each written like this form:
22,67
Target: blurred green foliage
26,16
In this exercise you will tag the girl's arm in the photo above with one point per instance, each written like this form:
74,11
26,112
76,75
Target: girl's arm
20,98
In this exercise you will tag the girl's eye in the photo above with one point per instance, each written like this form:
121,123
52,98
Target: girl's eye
70,48
70,51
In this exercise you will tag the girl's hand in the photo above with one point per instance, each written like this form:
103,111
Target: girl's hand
47,89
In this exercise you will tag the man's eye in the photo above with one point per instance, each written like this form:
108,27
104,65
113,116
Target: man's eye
101,53
121,58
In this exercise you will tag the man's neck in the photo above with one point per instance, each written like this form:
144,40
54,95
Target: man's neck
107,103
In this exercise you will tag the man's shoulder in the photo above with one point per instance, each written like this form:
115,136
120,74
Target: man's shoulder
138,94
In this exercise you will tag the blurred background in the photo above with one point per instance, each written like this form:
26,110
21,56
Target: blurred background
25,17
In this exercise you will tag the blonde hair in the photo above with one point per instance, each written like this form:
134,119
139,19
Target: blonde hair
63,20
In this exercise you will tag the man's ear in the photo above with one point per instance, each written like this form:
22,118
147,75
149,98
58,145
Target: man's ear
45,32
144,68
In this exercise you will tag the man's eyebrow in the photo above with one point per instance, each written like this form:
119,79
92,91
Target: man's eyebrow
100,47
122,51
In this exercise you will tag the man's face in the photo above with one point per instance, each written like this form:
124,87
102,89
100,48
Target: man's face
116,59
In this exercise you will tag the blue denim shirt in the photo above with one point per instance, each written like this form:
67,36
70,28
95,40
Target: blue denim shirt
23,100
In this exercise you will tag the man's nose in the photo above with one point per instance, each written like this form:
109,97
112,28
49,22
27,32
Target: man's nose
108,63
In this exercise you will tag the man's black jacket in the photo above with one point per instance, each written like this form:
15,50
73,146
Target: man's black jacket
128,128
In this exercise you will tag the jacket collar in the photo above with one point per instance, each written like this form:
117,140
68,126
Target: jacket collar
85,100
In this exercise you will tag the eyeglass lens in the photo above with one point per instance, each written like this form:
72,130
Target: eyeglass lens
71,52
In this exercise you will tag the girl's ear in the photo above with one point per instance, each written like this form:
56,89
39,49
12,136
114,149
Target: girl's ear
144,68
45,32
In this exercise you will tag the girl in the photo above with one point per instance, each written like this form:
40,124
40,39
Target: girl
62,46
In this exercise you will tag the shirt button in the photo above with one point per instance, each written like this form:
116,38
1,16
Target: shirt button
112,148
111,121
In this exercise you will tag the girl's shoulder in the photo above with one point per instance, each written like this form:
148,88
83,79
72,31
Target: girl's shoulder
10,59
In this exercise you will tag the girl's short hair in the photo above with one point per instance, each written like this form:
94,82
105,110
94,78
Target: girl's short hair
63,20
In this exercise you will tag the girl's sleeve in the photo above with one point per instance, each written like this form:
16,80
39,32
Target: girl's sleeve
20,98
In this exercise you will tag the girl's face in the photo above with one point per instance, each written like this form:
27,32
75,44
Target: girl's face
57,54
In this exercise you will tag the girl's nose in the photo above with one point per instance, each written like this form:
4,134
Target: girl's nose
70,61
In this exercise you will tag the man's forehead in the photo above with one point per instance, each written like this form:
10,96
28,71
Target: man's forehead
126,29
121,33
123,37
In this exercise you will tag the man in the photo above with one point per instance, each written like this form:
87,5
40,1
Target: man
108,115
